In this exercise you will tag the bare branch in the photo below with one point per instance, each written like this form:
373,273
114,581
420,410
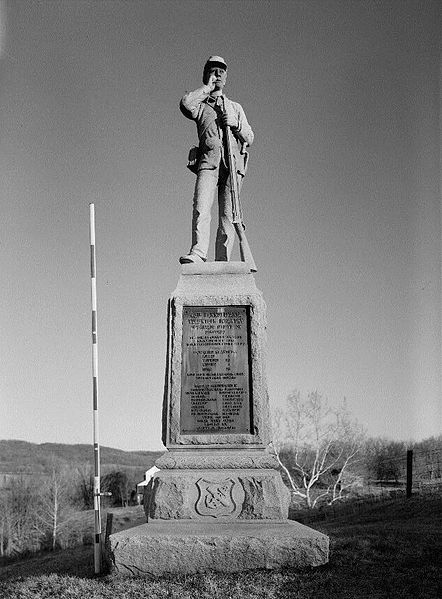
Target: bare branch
315,446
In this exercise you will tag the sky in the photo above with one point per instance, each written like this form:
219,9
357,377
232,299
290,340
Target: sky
341,203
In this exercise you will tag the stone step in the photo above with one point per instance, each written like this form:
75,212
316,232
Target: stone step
187,546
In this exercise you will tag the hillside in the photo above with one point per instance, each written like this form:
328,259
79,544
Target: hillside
21,457
391,551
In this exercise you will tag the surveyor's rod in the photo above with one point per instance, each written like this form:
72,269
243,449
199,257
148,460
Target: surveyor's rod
97,515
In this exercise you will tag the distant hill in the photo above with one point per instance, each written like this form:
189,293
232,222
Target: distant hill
21,457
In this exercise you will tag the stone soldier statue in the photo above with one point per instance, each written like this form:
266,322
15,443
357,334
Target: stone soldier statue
213,112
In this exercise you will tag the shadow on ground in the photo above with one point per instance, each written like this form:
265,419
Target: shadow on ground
78,561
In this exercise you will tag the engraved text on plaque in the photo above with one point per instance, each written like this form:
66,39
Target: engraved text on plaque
215,377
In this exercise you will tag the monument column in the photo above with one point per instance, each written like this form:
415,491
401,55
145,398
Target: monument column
216,421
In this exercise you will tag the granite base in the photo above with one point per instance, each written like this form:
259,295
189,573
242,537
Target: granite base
188,547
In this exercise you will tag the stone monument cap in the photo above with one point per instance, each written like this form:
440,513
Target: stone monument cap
215,268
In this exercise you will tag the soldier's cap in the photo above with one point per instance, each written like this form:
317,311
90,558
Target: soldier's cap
216,61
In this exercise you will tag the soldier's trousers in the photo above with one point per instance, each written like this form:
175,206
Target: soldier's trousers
208,184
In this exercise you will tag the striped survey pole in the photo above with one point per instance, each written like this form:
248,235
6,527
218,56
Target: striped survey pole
97,493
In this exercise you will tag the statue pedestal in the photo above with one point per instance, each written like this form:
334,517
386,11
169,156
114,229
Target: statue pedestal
187,547
218,487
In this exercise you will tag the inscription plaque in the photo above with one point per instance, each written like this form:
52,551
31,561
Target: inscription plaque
215,370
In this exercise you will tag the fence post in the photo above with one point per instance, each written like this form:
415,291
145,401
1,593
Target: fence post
109,522
409,472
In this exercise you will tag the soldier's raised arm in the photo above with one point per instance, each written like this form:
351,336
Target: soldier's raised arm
191,101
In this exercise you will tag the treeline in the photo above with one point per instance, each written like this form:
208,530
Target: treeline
377,463
386,461
326,457
47,489
53,510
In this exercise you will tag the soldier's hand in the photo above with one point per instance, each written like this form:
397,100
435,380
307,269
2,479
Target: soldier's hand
229,120
211,82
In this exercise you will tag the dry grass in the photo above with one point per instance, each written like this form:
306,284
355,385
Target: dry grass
392,551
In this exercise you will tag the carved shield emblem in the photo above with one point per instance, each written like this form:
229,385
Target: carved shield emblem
215,498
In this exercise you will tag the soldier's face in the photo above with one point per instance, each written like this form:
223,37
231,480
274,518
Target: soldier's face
221,76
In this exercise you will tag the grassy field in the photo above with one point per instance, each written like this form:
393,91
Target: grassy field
393,550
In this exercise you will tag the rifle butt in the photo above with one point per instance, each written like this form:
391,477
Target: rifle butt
244,248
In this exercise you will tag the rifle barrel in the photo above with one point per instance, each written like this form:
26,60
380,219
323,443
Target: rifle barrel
237,219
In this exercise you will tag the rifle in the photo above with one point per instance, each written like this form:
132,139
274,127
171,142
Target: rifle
244,248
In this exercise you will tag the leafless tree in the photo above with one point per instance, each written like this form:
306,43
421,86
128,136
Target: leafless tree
54,508
316,446
84,485
17,518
